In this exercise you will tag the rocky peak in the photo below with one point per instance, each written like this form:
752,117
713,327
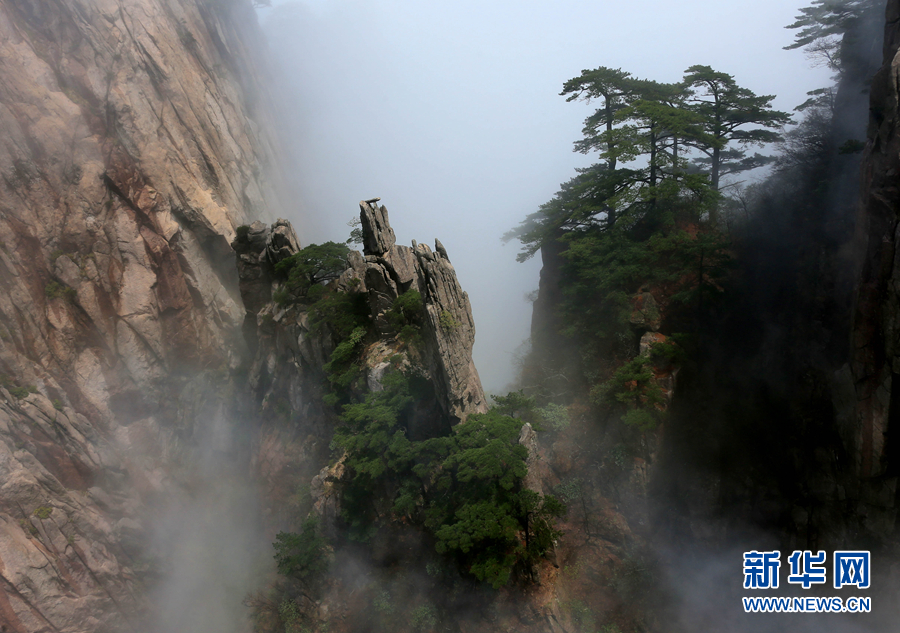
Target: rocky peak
388,271
378,236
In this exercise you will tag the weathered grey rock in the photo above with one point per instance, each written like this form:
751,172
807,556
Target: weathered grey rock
129,158
281,241
326,496
537,468
378,236
645,313
449,330
375,375
440,249
353,279
254,268
648,340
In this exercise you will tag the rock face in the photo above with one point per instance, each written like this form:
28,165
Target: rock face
447,331
876,355
450,330
133,148
378,236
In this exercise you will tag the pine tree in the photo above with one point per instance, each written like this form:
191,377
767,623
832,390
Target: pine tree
727,111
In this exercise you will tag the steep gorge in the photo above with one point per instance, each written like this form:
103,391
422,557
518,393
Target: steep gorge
149,372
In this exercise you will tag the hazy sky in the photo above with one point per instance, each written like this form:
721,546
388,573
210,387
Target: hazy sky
452,115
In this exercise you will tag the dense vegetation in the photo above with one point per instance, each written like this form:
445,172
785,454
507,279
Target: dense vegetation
661,214
466,489
307,271
646,220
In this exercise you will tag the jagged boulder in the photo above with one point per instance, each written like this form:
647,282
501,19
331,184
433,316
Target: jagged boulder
281,241
378,236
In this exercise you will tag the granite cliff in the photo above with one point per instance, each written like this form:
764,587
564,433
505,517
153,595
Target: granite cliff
134,143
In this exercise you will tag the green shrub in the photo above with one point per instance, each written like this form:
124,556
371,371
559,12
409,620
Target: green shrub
555,416
633,386
424,618
314,265
281,297
342,369
627,384
410,334
643,419
514,404
669,351
382,603
19,392
339,312
43,512
356,234
242,233
465,488
570,490
290,614
302,555
56,290
448,321
581,615
619,455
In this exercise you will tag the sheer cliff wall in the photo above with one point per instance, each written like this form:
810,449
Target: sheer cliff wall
875,352
134,142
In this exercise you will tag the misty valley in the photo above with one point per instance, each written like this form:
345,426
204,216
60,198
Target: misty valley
226,409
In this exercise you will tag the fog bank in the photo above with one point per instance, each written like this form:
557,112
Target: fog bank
451,115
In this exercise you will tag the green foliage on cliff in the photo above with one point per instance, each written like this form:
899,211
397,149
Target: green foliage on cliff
241,233
56,290
465,488
405,316
513,404
646,217
478,507
313,265
343,368
43,512
304,555
448,321
340,312
679,141
822,26
602,271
